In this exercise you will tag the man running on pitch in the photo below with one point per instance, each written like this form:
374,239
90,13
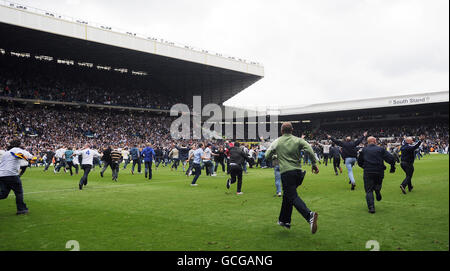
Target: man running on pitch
288,150
407,161
349,154
198,155
237,158
116,156
9,174
371,159
87,156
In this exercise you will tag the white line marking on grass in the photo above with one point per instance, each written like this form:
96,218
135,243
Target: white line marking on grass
100,187
75,189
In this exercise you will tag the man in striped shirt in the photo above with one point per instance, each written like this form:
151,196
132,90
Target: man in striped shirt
116,156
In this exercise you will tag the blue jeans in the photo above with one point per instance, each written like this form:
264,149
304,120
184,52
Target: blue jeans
277,178
209,166
138,163
183,163
197,170
349,163
148,169
175,164
127,161
418,155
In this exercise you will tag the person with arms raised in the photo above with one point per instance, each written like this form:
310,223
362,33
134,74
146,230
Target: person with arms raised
407,160
349,154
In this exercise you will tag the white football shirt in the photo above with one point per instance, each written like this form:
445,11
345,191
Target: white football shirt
10,162
87,156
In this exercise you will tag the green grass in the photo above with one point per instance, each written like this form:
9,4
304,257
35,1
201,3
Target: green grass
168,214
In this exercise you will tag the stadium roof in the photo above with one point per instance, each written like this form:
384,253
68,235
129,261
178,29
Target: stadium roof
184,71
391,103
382,102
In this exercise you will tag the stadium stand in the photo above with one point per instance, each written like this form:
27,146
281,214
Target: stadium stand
42,80
43,128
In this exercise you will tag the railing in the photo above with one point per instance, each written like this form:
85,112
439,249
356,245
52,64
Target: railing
119,30
79,104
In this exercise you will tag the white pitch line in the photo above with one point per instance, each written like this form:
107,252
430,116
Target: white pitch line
100,187
74,189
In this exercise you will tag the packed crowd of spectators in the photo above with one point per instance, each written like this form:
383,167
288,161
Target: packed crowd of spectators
33,79
46,129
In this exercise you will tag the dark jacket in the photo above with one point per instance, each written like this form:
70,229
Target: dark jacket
50,155
335,153
183,153
238,156
349,147
158,153
221,156
135,154
107,155
372,158
408,151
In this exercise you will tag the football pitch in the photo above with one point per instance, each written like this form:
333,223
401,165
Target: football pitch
168,214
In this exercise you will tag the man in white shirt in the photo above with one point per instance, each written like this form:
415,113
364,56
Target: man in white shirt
326,152
9,174
1,153
23,166
126,157
190,160
207,161
76,161
246,151
60,159
87,160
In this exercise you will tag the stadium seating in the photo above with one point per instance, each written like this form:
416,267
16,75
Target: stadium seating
41,80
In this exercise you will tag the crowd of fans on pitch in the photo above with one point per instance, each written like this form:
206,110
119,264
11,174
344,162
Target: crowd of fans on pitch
46,129
32,79
437,133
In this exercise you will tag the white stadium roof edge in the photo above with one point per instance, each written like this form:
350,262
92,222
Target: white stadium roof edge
370,103
381,102
33,18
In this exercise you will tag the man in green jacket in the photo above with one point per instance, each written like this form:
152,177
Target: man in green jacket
288,148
